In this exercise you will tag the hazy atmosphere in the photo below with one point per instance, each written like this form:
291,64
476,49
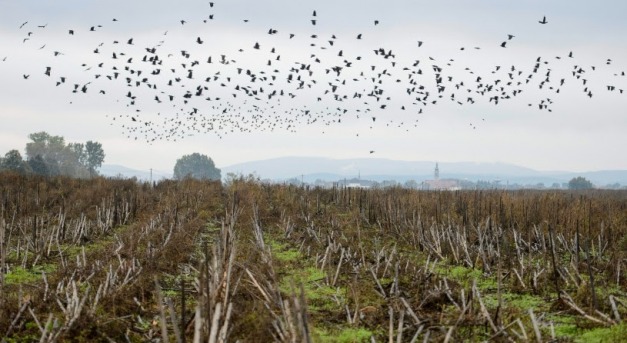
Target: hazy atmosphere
404,80
345,171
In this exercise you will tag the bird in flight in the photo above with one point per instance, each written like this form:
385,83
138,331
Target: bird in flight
264,92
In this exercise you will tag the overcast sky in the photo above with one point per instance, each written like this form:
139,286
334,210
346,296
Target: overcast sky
579,133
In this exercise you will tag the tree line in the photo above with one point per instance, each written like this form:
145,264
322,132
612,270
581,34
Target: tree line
49,155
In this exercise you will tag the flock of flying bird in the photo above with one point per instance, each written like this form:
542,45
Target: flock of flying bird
170,94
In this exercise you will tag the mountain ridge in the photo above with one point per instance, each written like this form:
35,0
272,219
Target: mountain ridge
311,169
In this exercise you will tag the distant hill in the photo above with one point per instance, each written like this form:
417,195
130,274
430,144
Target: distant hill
287,167
311,169
114,170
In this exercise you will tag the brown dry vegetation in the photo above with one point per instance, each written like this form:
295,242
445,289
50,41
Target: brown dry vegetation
116,260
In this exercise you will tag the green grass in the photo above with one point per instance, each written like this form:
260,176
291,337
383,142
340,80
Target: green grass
283,253
285,256
20,275
319,296
566,330
523,301
616,333
347,335
465,276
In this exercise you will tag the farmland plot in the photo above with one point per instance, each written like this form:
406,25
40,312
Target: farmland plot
116,260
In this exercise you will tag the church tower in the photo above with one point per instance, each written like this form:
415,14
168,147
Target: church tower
437,171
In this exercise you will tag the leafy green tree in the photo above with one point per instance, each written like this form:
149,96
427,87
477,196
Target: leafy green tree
580,183
74,159
13,161
94,156
196,166
53,166
39,166
49,148
42,143
411,184
79,151
615,185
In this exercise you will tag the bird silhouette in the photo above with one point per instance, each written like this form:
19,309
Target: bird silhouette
328,82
